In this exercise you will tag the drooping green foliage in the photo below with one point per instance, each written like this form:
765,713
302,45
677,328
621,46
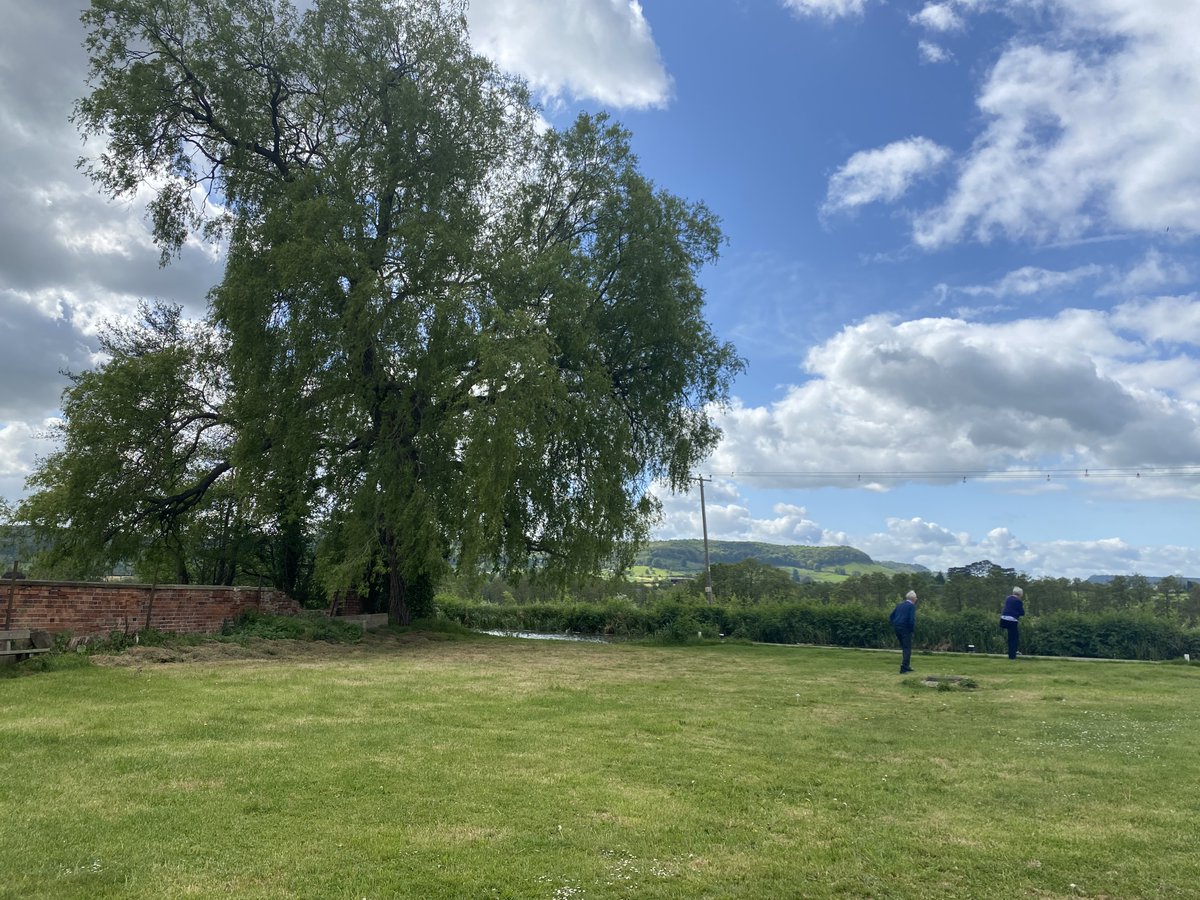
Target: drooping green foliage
452,337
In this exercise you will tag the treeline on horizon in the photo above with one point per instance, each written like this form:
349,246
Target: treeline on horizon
751,583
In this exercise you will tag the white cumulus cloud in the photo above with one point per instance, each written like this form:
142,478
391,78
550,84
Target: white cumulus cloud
946,395
1088,129
938,17
1171,321
595,49
883,174
827,9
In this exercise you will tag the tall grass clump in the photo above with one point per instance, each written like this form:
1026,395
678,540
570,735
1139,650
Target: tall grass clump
312,626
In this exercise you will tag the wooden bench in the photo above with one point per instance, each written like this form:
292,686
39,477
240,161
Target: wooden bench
21,643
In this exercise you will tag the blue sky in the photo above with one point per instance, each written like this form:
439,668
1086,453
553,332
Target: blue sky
961,239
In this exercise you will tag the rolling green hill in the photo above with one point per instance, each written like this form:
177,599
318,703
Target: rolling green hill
663,559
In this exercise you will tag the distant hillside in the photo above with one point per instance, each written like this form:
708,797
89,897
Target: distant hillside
687,557
1152,579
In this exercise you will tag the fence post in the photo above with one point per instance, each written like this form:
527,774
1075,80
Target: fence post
150,606
12,593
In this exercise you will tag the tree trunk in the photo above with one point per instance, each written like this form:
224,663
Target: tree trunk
291,554
399,611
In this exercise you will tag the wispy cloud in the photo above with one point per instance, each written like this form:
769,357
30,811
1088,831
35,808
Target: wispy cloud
1155,271
1030,281
1085,131
882,175
827,9
933,53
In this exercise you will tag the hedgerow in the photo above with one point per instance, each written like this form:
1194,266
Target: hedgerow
1104,635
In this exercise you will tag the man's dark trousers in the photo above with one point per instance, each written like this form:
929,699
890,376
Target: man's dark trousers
904,636
1014,634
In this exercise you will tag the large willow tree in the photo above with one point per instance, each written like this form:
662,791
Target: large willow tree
454,336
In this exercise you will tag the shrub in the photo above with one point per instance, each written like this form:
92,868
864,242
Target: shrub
959,631
677,622
1111,635
251,623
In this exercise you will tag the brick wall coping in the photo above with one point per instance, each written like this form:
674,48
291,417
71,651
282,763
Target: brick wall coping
127,585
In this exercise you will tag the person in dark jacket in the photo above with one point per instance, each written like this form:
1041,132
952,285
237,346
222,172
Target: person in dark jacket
904,620
1010,615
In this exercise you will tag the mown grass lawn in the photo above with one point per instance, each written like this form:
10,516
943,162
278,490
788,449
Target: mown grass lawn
495,767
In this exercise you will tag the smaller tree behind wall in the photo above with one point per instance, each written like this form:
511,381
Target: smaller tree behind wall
136,433
142,477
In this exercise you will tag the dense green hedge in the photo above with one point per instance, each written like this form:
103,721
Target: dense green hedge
1112,635
1105,635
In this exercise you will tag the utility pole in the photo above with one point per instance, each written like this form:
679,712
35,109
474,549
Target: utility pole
708,592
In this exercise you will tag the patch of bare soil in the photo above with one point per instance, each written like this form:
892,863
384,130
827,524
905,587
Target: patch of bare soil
259,649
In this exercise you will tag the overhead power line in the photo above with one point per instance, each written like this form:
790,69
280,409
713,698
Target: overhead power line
1047,474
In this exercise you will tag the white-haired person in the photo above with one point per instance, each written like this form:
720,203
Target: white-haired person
904,620
1010,617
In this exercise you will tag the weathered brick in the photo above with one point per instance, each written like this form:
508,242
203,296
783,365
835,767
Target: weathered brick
88,609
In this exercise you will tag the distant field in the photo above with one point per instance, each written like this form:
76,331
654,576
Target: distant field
654,575
488,767
661,560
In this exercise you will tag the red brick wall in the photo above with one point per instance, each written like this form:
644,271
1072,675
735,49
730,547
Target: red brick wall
86,609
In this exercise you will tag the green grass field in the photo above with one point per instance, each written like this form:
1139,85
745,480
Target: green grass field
412,766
